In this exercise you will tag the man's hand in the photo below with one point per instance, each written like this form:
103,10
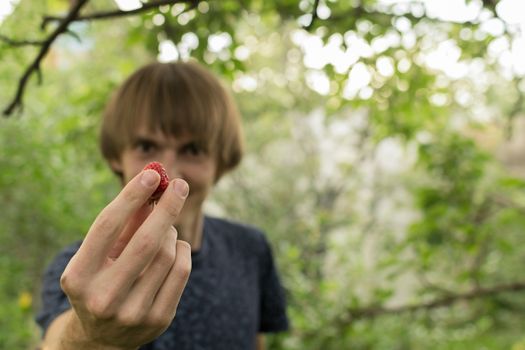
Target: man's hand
126,280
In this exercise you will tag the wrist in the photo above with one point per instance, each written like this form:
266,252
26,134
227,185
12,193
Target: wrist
74,338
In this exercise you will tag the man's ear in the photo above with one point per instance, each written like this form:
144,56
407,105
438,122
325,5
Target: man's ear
116,167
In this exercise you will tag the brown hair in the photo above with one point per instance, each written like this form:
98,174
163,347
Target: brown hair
177,98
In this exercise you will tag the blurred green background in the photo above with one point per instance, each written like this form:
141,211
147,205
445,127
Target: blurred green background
385,157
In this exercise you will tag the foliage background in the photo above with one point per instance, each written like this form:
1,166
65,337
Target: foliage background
381,178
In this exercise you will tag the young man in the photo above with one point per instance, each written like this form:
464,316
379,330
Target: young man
120,288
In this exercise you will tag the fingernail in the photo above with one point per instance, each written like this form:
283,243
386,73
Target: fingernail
149,178
181,188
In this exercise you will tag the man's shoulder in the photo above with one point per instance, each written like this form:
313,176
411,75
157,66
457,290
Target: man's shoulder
235,230
229,225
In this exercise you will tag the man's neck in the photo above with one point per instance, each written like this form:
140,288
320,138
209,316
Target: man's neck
190,230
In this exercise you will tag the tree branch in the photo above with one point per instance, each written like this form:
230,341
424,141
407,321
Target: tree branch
314,16
490,4
16,43
117,13
478,293
62,28
46,44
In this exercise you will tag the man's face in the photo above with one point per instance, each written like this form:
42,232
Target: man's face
182,157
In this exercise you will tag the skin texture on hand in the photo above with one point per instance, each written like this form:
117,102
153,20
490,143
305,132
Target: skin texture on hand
126,279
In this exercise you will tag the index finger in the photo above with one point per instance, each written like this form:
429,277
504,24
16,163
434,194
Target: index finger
112,219
147,241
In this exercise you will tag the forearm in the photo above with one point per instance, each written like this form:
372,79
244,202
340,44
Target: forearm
65,333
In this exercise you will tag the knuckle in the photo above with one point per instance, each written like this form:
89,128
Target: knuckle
172,207
104,221
129,195
173,235
71,281
183,267
68,284
185,270
159,320
147,244
185,246
131,318
166,255
100,306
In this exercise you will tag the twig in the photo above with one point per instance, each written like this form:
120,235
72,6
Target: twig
62,28
73,35
117,13
46,44
352,314
374,311
314,15
517,108
16,43
507,203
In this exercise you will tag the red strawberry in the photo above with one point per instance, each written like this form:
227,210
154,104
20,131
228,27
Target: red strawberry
164,180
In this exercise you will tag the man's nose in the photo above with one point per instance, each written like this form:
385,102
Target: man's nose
172,167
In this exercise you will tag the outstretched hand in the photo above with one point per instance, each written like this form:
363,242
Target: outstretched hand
126,279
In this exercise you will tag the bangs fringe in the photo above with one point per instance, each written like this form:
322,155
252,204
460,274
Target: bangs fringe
178,99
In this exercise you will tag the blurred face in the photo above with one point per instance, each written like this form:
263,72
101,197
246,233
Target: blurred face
182,157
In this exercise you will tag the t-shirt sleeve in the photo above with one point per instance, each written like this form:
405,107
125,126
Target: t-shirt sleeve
54,301
273,301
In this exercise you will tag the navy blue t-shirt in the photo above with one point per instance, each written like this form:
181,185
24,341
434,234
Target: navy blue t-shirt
232,294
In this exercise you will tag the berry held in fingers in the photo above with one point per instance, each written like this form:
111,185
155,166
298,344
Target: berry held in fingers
164,180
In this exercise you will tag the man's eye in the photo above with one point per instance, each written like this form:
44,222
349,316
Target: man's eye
145,146
191,148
